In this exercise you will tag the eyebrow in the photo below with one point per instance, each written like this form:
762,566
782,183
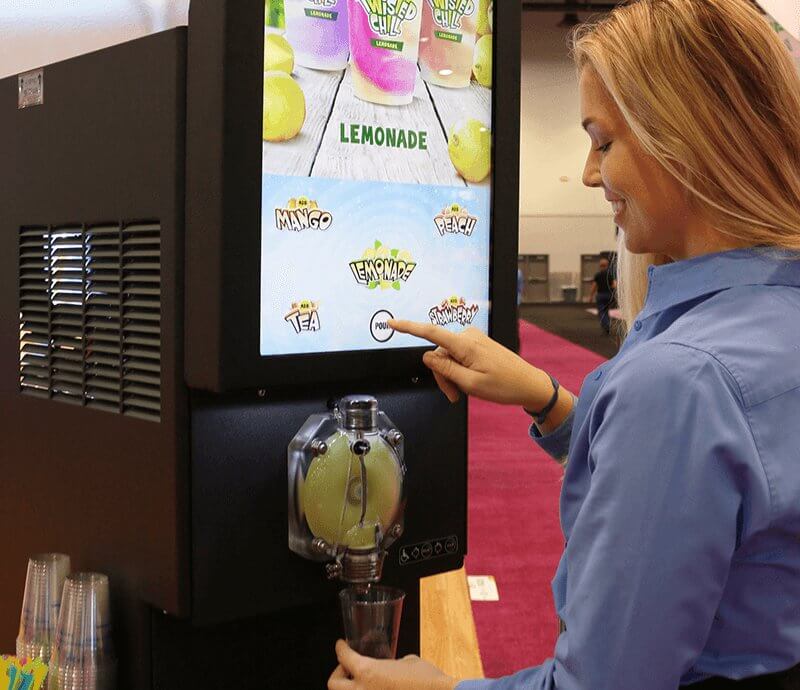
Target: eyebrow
587,122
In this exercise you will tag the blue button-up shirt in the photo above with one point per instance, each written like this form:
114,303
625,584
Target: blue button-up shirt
681,499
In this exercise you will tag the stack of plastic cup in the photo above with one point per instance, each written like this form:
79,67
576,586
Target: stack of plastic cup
83,654
40,605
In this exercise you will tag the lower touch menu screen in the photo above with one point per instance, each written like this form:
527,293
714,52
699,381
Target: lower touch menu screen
376,174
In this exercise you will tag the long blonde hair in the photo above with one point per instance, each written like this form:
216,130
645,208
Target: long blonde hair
713,95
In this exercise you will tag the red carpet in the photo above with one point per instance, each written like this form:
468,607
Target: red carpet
514,533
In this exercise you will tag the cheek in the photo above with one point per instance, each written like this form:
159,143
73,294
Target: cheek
652,194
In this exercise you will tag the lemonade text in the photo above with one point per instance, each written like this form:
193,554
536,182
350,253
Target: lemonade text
390,137
367,271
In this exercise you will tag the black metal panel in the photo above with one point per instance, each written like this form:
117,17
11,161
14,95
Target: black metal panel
225,104
291,649
106,146
242,565
505,163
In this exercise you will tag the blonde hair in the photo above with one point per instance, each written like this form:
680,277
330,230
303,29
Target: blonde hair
713,95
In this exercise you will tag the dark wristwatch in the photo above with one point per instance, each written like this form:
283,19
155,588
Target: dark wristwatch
540,417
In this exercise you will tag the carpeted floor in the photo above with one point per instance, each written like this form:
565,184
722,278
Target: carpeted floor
514,533
574,323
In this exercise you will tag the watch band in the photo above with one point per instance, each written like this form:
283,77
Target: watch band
540,417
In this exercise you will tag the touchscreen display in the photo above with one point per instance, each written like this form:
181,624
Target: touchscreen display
376,173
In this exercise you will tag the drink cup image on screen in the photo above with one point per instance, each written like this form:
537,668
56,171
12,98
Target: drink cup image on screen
447,41
384,46
318,33
332,495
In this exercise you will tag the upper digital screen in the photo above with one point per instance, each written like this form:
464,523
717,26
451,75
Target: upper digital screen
376,171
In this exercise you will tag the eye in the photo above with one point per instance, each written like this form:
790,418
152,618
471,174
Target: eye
604,148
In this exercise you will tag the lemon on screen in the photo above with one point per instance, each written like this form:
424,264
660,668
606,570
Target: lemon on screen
470,148
482,61
278,54
284,107
333,490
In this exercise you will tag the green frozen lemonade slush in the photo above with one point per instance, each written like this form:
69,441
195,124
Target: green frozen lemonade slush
317,31
447,42
384,45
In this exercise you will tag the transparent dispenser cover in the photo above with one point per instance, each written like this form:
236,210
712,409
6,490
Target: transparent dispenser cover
346,488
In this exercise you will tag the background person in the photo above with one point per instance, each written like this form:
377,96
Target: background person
602,294
681,499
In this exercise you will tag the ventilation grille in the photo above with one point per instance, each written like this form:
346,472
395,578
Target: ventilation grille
90,316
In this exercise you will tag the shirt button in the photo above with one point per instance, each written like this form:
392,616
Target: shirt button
638,325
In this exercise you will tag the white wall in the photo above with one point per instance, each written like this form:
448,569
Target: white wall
786,12
562,219
39,32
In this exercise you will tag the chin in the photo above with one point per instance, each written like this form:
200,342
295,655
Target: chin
635,244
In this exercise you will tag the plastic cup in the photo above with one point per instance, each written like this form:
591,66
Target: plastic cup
384,48
447,42
317,31
371,618
83,653
40,605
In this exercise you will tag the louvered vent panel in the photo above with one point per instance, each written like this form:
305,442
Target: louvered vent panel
103,327
90,316
141,306
34,311
66,313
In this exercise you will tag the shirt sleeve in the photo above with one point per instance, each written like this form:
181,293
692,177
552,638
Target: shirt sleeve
556,443
676,481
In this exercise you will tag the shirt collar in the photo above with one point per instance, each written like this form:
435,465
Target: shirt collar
682,281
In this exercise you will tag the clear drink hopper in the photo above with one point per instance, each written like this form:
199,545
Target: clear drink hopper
346,489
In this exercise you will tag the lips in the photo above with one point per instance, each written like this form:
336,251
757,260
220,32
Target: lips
617,206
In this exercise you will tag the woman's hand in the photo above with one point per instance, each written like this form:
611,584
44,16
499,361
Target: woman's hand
473,363
356,672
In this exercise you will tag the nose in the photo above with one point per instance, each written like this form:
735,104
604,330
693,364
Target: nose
591,172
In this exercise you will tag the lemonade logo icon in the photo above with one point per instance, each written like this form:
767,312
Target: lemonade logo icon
304,316
386,17
382,267
455,220
449,13
302,214
453,310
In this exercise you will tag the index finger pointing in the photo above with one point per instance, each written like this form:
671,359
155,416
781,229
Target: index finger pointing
435,334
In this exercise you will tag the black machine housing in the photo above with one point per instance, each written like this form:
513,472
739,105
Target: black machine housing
185,506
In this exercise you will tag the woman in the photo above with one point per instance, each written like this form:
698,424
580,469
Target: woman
681,499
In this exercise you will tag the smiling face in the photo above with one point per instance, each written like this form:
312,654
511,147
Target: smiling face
649,205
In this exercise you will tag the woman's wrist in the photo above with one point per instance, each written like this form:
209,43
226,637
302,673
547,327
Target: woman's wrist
538,391
540,394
